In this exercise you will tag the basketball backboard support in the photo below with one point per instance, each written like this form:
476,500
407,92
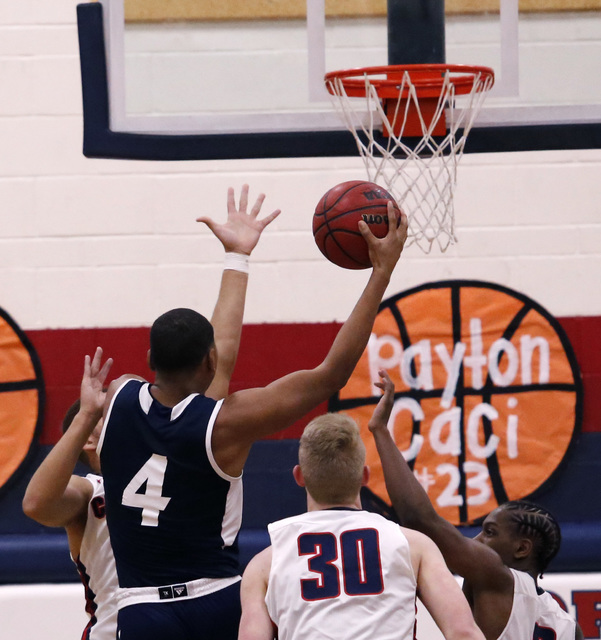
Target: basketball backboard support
226,87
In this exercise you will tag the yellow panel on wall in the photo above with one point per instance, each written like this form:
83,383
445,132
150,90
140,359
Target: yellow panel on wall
159,10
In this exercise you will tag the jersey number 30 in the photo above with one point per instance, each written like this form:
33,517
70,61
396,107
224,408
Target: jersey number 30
150,478
360,553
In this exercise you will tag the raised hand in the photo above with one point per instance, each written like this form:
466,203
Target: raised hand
92,384
385,252
381,414
242,230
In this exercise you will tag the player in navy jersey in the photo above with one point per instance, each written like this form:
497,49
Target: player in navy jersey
172,458
340,572
500,566
55,497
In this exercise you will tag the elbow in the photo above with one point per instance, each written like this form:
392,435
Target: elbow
332,380
470,632
32,507
29,506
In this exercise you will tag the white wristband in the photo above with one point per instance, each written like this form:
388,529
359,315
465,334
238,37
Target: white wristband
236,262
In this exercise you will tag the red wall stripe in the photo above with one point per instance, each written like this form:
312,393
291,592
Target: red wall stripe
267,352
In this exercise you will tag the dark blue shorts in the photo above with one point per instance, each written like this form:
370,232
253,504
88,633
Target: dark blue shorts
212,617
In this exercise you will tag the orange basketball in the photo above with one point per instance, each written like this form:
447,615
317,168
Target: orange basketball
337,216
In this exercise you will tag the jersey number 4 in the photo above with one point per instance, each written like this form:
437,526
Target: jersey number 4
145,490
360,554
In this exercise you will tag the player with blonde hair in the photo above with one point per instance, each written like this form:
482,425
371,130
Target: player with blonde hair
338,571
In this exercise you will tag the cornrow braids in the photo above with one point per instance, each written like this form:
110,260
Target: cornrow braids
534,521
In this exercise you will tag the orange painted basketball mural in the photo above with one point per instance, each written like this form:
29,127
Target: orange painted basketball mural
488,394
21,399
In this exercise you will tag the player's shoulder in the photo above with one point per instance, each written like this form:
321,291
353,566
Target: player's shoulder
259,565
84,485
117,386
121,381
417,538
96,482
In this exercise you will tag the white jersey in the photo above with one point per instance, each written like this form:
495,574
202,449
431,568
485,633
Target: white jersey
340,573
535,615
96,566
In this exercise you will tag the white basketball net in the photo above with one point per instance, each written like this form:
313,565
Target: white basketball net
421,178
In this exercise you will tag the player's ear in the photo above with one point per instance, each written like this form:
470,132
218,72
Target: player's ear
212,359
366,474
149,360
523,548
298,476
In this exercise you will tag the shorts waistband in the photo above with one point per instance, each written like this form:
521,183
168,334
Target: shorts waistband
168,593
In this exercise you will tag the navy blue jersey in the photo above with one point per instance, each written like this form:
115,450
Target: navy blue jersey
173,515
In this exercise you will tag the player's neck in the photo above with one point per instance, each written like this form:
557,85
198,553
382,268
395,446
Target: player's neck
170,391
531,571
313,505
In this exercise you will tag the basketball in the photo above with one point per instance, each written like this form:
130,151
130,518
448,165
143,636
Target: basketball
337,216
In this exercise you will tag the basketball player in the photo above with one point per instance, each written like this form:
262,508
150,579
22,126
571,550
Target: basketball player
172,459
338,571
56,498
500,566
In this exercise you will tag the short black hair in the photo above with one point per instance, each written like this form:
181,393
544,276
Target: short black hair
179,340
70,414
538,524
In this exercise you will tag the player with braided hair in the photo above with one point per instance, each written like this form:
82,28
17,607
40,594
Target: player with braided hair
501,565
540,525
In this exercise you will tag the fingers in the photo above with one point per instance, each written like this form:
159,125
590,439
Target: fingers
271,217
208,221
106,367
403,226
92,368
257,206
86,367
243,198
386,384
366,231
94,364
231,202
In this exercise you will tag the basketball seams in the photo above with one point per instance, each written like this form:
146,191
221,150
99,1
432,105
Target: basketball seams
336,219
332,236
371,207
349,187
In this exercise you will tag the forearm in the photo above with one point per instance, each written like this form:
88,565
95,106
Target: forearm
409,499
227,323
354,334
228,316
45,499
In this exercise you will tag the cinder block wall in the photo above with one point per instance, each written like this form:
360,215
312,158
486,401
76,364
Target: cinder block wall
87,243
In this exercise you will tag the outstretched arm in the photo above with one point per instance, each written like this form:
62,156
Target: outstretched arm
249,415
440,592
464,556
239,236
255,623
54,497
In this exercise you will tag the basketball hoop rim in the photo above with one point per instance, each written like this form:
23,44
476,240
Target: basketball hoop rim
427,79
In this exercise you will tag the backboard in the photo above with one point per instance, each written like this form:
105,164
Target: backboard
192,80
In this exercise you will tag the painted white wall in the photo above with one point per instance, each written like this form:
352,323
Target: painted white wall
87,243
